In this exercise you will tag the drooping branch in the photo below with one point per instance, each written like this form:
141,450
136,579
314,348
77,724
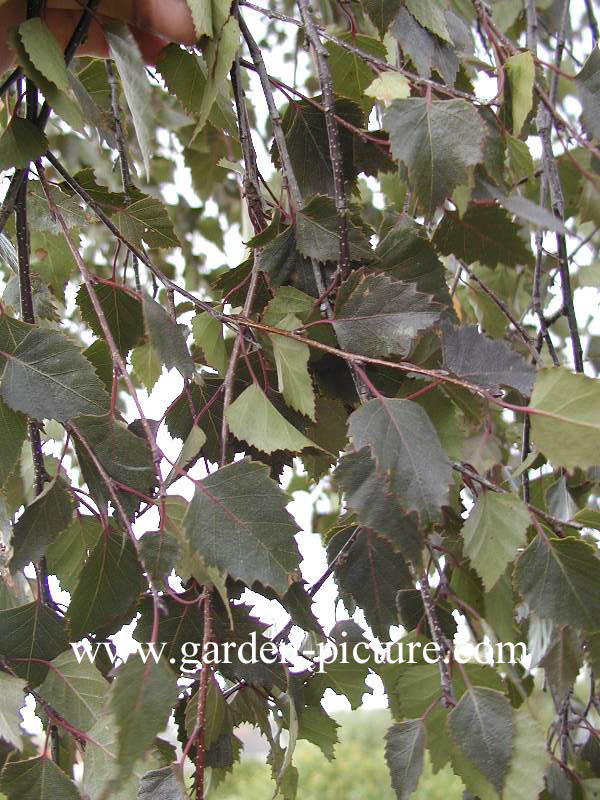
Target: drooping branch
28,315
119,365
122,150
437,635
368,58
502,306
553,181
252,192
286,162
205,675
333,135
136,251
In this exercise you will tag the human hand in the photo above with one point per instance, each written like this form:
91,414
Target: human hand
153,23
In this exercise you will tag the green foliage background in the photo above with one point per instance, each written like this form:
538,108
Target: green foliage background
406,335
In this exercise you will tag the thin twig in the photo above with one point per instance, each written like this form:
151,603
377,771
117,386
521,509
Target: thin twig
252,191
592,22
318,584
120,365
437,635
136,251
286,161
504,309
122,151
333,136
202,694
368,58
557,198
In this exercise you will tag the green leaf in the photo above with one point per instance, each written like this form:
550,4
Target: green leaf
381,13
531,212
494,532
347,676
45,52
95,81
389,86
13,700
350,73
220,52
237,521
588,87
214,716
425,50
54,261
291,360
404,753
520,161
8,254
567,427
101,772
108,587
124,456
163,784
562,660
282,261
146,365
417,685
41,220
208,334
317,233
588,517
289,300
298,604
76,690
485,234
21,142
482,727
486,362
167,338
69,551
180,418
127,56
520,70
45,374
141,698
306,136
407,452
377,509
13,430
377,316
201,11
559,501
558,579
32,631
36,779
371,574
254,419
41,522
147,219
317,727
406,254
159,551
525,777
430,15
190,452
439,141
61,102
